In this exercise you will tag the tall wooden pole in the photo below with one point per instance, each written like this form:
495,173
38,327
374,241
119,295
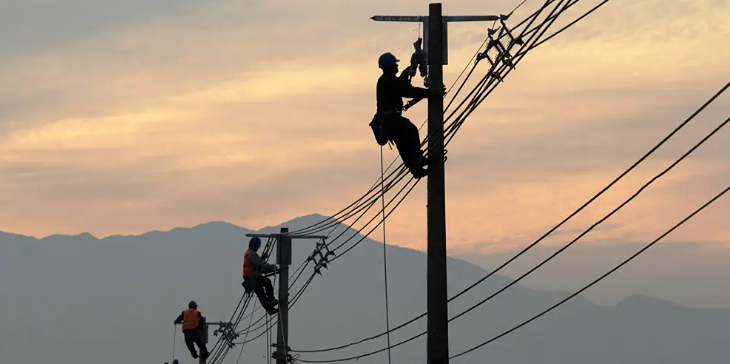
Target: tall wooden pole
438,329
283,257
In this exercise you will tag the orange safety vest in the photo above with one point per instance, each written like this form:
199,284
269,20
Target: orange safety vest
248,269
190,319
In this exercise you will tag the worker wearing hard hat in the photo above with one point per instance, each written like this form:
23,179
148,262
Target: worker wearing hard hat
253,266
192,327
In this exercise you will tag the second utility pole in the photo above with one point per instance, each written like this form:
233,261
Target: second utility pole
283,255
437,295
283,258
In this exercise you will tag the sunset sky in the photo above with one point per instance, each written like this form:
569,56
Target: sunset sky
124,117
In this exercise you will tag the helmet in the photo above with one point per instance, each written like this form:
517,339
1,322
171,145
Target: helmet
192,304
387,59
175,361
254,243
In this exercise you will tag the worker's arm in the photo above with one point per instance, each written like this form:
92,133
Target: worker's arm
259,264
179,319
255,260
410,91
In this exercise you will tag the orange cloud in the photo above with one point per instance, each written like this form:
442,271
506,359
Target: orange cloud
198,116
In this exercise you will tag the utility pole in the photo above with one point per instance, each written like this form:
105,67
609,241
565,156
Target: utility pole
437,296
435,31
283,259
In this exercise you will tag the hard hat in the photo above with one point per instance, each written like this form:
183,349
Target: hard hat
192,304
254,243
387,59
175,361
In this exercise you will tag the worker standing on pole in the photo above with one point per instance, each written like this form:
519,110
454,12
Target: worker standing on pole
253,266
192,327
391,90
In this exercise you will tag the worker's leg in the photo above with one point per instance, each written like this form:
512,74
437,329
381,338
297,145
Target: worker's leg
189,342
261,294
201,344
413,141
406,138
268,287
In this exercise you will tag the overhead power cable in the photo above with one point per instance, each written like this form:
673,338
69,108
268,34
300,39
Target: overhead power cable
373,188
548,2
682,222
400,326
677,129
670,167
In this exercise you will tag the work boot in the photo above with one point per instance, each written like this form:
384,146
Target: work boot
194,354
274,302
272,311
418,172
423,162
205,355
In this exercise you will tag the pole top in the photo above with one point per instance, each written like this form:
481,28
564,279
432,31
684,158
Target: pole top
278,235
447,18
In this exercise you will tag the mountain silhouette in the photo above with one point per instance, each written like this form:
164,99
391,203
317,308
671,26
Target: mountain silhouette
71,299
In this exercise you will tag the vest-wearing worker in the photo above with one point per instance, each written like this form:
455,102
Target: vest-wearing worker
252,266
191,320
252,263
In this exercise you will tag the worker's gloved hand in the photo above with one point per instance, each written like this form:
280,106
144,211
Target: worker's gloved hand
440,92
264,256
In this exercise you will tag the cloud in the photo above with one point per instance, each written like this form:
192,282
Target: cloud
252,111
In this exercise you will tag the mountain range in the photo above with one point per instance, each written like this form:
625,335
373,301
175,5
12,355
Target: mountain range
79,299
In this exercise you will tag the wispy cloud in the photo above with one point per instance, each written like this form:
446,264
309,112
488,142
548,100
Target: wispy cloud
255,111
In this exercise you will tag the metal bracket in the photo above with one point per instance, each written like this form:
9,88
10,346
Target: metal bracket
503,52
277,356
446,21
323,257
226,331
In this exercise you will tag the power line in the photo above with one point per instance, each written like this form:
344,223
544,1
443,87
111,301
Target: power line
690,216
413,320
670,167
633,166
373,187
533,17
382,191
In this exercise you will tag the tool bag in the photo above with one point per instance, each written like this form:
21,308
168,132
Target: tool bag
380,130
249,283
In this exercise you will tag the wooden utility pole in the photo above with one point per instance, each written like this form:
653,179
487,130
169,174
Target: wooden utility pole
435,34
283,259
437,296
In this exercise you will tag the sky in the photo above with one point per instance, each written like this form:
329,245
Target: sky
125,117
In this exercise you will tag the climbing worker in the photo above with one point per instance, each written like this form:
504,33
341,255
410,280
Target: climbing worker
253,266
391,90
192,328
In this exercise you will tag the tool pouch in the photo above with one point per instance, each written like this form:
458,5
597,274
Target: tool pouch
248,284
379,130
